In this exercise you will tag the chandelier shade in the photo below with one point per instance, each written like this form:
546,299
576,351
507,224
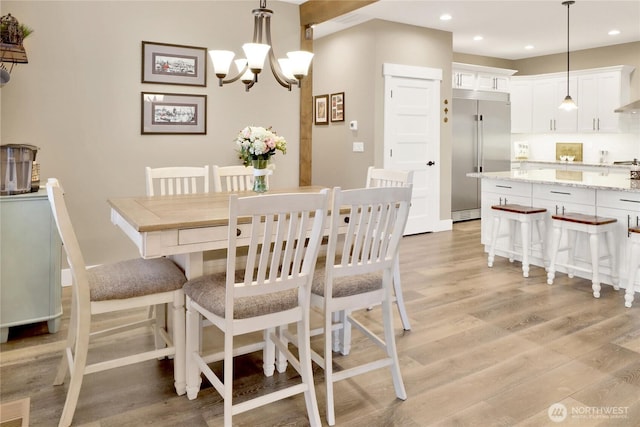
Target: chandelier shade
568,104
287,71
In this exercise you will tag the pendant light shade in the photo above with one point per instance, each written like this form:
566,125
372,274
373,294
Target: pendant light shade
568,103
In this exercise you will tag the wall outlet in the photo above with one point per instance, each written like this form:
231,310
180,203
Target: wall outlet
358,147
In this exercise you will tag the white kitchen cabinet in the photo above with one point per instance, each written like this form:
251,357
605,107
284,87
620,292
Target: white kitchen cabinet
599,95
464,79
521,96
625,207
477,77
548,94
30,288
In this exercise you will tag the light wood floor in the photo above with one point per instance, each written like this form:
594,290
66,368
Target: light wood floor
487,348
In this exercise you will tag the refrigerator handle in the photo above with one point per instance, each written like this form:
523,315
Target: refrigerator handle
479,161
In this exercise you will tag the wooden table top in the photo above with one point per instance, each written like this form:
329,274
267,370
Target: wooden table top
156,213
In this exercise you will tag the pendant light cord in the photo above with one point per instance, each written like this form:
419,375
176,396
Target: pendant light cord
568,6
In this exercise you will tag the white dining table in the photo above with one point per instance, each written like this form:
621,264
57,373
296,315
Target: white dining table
181,226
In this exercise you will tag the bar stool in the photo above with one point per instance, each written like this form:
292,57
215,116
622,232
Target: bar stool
525,215
634,263
594,226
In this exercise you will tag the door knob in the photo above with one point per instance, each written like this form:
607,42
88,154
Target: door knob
431,163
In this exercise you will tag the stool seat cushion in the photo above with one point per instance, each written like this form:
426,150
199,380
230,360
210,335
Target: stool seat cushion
584,219
634,230
518,209
134,278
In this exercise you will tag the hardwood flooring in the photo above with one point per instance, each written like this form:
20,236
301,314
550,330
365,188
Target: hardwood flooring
487,348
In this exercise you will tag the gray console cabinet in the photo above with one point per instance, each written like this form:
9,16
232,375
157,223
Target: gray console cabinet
30,251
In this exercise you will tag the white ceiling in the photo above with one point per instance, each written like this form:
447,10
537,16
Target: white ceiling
507,26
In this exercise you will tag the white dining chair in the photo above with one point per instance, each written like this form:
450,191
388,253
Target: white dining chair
357,274
167,181
177,180
377,177
269,288
109,288
235,178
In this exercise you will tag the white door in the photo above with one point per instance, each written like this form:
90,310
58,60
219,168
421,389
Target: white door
412,138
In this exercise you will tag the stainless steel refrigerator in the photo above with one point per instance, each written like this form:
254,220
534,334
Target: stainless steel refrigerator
481,143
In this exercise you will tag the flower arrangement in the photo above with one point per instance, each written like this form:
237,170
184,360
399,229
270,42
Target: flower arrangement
258,143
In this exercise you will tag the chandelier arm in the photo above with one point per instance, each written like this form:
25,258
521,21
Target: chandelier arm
273,62
236,78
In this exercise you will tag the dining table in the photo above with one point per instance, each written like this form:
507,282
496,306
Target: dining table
182,226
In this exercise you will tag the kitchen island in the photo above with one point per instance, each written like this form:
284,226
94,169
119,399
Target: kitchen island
594,193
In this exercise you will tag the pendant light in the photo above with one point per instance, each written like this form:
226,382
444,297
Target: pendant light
568,104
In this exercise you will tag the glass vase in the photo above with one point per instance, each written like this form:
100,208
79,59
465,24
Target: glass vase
260,171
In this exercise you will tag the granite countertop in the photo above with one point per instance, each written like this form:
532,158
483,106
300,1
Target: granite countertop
560,162
617,181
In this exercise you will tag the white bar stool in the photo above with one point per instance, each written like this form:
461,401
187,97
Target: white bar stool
525,215
594,226
634,263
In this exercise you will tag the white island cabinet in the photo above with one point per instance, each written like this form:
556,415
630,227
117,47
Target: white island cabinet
30,250
611,195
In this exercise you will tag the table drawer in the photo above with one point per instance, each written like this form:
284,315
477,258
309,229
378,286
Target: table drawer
191,236
507,188
565,194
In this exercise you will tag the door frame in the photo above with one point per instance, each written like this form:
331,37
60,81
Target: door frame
390,71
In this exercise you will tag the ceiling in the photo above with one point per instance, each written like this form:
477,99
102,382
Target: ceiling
507,26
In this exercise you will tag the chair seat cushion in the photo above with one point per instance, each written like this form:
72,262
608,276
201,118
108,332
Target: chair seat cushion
134,278
209,292
346,286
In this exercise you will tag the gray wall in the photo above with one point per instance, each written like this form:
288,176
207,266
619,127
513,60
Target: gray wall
351,62
78,99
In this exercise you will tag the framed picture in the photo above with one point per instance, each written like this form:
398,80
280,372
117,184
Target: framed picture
174,64
337,107
320,110
173,113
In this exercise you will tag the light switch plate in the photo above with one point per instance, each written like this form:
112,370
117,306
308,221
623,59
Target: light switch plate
358,147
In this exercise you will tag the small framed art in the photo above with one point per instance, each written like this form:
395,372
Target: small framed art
337,107
173,113
174,64
321,110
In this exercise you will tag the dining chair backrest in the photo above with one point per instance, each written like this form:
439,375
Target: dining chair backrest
284,236
80,282
377,177
370,239
177,180
232,178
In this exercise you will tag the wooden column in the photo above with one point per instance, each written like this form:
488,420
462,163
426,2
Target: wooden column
315,12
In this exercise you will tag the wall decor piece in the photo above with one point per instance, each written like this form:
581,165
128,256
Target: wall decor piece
320,110
569,149
173,113
174,64
337,107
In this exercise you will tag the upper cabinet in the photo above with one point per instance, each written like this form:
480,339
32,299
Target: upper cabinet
477,77
535,101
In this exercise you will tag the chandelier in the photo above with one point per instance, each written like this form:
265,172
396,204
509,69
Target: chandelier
568,104
287,71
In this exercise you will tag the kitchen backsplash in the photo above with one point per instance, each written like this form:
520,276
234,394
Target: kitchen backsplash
542,147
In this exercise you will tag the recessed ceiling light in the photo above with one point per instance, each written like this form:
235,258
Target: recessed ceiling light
445,17
614,32
478,38
529,47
